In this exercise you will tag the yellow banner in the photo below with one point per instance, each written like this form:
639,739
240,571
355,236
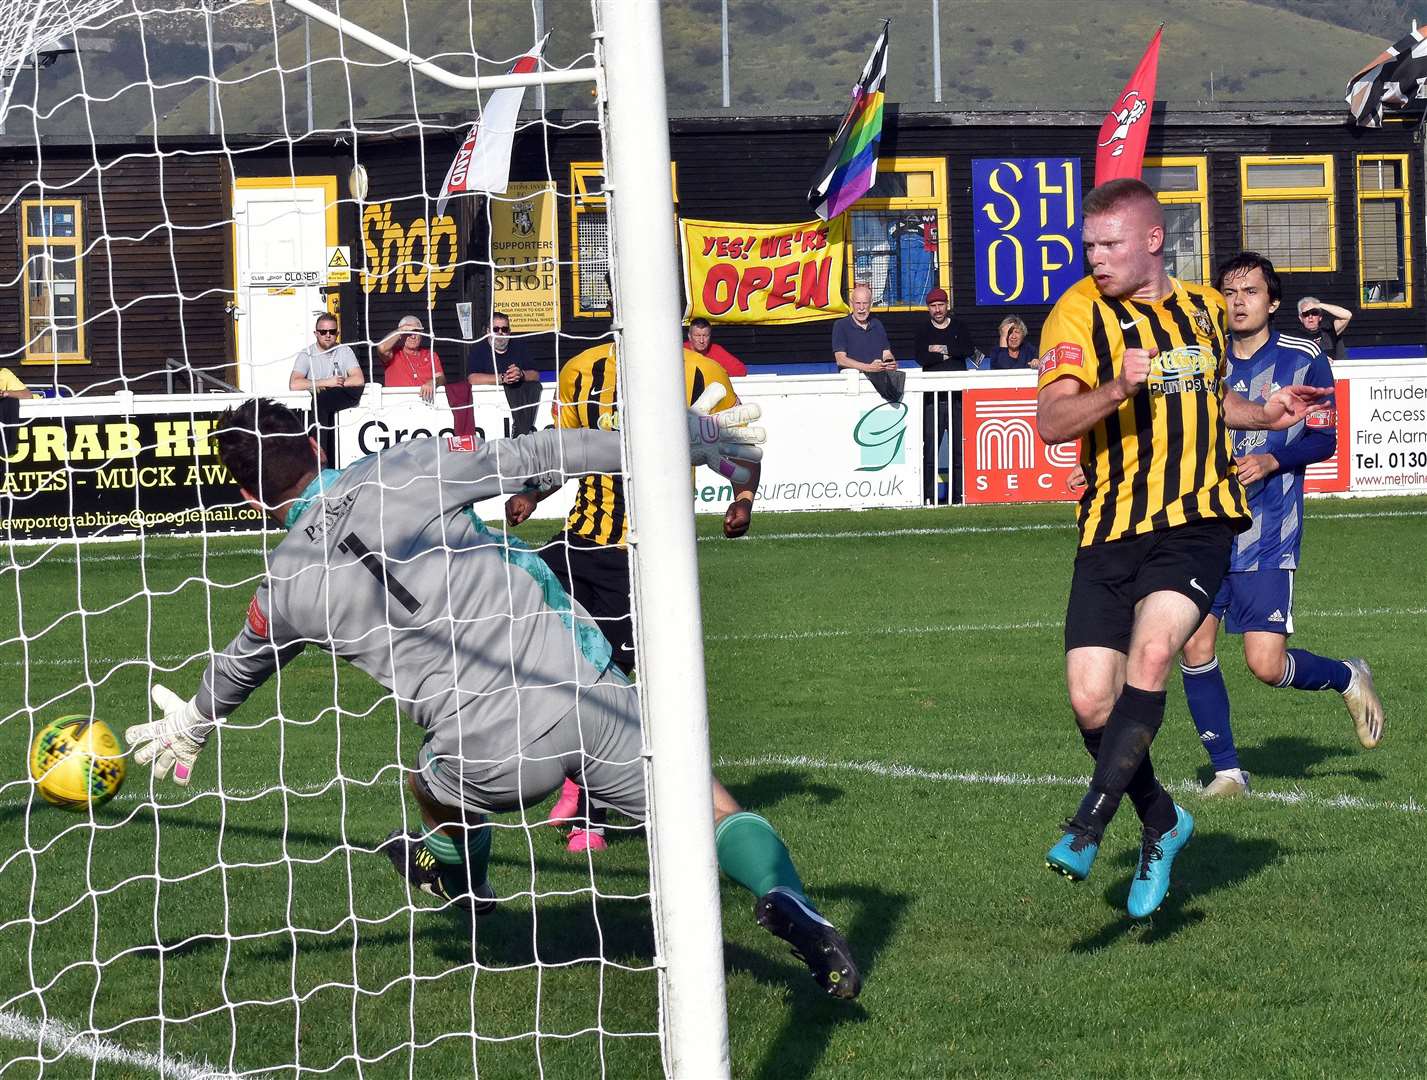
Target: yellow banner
526,282
765,273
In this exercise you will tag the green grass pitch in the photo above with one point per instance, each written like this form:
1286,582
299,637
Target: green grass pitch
886,687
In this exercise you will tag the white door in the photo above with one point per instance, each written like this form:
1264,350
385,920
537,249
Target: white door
282,259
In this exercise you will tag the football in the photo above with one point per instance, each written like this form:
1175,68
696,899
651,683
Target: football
76,762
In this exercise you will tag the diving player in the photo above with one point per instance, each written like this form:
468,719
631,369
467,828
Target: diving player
385,565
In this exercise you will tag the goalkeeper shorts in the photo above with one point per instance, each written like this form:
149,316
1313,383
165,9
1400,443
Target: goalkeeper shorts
598,744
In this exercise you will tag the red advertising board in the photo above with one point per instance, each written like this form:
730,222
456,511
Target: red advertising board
1332,475
1004,460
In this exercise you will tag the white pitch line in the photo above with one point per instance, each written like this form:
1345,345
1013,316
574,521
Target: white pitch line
960,530
991,628
144,557
893,771
70,1042
878,534
880,631
865,534
166,661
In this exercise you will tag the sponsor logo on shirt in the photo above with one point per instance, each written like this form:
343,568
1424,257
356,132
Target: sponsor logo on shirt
1066,354
1182,370
333,511
1324,416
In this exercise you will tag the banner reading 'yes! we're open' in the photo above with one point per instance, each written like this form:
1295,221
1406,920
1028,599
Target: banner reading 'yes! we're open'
765,274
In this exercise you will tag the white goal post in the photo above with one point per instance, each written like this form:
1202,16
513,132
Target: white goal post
635,132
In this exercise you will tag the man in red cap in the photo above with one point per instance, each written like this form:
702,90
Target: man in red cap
942,345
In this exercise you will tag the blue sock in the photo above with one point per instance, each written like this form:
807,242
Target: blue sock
1309,671
1208,699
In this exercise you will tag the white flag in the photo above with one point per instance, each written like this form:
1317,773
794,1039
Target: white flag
483,161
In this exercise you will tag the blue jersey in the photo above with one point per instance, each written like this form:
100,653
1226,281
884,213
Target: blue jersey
1272,541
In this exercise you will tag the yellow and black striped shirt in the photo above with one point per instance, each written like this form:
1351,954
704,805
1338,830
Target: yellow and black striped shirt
588,392
1164,457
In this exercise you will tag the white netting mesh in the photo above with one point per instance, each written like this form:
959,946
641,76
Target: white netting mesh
180,215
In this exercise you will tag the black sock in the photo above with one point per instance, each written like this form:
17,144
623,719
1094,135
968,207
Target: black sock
1152,803
589,817
1124,745
1092,740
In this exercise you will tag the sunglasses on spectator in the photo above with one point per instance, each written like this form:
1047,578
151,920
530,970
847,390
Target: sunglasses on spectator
501,329
327,330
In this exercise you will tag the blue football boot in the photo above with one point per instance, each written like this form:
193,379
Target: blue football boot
1074,853
1157,852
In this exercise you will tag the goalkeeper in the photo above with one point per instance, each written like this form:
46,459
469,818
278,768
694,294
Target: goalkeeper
386,566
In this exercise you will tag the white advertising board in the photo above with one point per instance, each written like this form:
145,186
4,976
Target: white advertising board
385,417
1389,435
827,449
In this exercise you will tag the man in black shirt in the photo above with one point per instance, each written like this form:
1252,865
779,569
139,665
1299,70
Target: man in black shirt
505,361
942,345
1323,324
942,342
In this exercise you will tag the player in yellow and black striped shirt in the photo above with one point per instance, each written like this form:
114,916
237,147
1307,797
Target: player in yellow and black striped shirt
1132,365
589,556
594,533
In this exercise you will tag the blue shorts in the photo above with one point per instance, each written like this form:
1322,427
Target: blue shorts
1256,601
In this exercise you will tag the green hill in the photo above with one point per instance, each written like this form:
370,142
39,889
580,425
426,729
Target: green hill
785,56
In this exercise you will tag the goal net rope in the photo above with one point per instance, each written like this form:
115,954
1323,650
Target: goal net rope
251,924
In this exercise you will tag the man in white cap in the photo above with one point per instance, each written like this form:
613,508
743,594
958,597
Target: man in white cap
1323,324
408,361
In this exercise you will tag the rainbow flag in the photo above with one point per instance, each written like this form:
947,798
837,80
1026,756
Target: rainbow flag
851,166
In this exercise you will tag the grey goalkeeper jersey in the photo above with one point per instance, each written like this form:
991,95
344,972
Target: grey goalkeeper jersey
386,567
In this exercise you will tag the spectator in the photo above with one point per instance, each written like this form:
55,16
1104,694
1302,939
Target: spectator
860,342
505,361
330,371
701,341
1011,352
942,345
1323,324
12,387
408,362
942,342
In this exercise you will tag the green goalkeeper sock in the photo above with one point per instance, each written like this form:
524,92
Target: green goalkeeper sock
460,875
752,853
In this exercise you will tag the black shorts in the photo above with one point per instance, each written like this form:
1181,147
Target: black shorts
597,576
1111,578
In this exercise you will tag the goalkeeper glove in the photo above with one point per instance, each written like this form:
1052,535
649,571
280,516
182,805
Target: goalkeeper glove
717,439
173,742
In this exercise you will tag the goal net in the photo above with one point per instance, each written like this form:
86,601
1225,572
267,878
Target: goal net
193,190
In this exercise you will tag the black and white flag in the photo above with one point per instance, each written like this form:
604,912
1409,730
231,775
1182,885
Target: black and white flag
1395,78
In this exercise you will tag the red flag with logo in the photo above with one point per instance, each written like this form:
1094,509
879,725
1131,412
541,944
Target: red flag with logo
1120,146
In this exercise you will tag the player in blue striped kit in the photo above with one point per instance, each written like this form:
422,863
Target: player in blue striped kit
1256,598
